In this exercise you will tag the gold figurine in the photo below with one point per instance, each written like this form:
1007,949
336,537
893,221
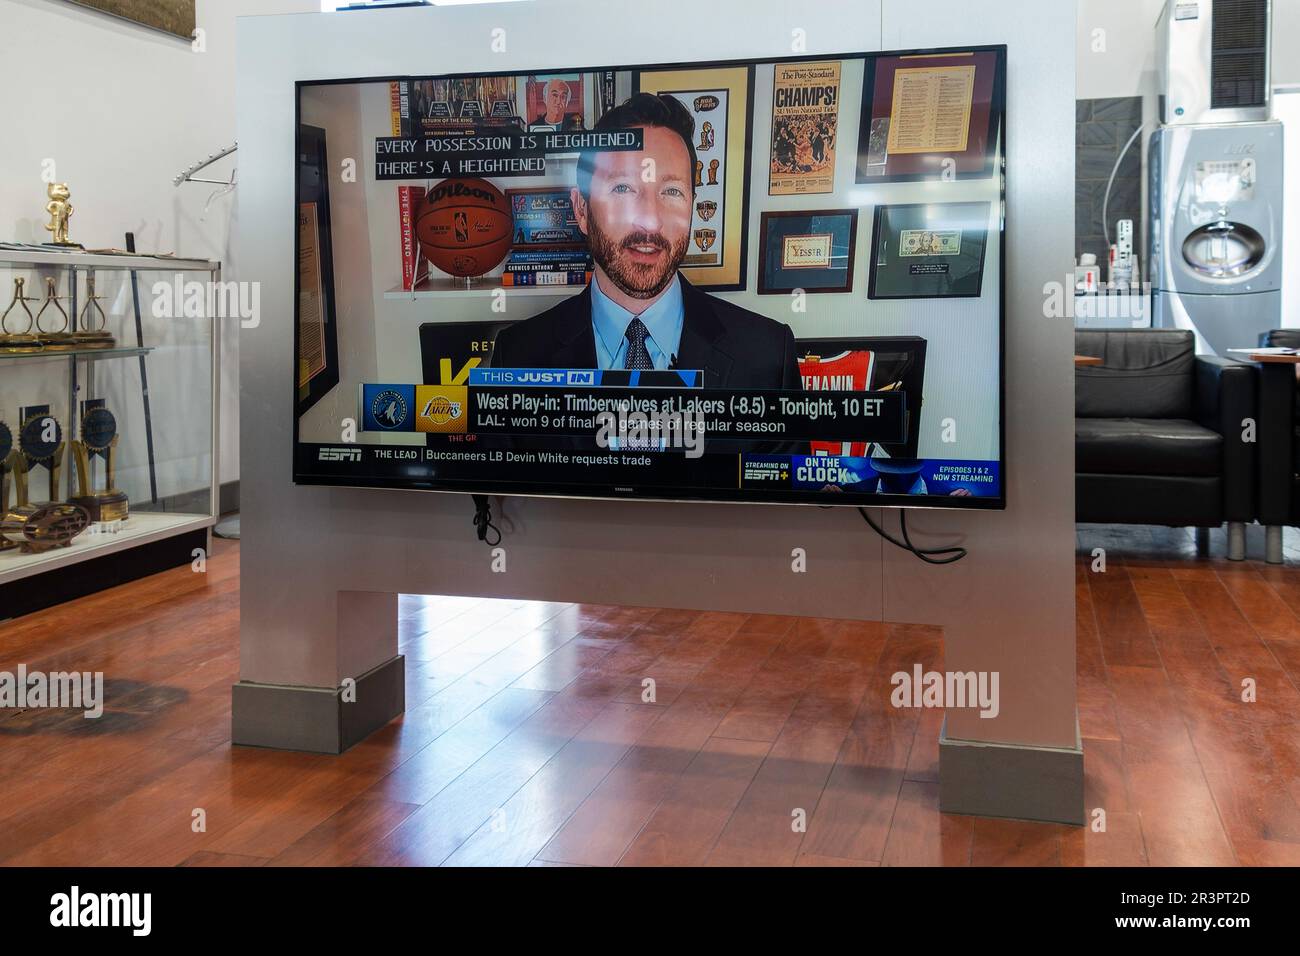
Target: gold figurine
60,211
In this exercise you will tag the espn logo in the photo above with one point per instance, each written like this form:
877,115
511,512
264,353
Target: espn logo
339,454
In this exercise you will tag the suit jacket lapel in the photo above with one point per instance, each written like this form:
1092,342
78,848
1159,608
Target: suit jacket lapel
575,342
701,331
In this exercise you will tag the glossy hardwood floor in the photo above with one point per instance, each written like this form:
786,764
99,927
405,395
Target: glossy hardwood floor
526,739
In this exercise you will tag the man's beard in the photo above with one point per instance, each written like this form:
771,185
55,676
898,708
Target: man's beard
639,280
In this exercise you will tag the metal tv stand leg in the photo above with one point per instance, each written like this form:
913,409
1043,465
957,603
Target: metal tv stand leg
1273,544
1236,541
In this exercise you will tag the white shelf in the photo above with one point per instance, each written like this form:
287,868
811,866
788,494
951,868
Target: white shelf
88,260
141,527
449,288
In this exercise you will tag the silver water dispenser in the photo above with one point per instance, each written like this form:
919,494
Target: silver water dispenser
1216,231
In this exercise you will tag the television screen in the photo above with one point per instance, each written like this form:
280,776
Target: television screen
768,281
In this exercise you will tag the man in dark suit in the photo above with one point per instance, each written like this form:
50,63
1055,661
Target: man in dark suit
638,312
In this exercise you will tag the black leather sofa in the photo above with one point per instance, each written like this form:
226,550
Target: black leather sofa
1158,434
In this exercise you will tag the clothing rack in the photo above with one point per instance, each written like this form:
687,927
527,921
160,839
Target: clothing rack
188,175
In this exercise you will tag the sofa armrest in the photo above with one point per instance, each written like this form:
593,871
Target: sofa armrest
1225,398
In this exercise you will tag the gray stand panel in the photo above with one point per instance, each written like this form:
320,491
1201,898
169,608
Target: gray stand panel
1004,780
317,719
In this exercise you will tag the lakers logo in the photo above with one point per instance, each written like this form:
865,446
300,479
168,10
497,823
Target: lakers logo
706,208
441,409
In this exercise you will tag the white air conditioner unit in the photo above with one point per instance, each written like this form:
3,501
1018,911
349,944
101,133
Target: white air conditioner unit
1213,58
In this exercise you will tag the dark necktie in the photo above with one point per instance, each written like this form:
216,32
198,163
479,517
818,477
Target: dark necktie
638,357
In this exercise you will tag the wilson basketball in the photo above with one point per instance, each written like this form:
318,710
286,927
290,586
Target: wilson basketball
463,226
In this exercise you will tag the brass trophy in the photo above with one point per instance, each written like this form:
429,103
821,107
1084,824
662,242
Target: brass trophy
57,338
98,439
46,525
91,329
60,211
14,338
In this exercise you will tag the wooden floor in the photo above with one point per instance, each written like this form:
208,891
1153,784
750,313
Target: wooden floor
526,739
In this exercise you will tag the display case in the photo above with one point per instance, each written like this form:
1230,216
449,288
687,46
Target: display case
108,419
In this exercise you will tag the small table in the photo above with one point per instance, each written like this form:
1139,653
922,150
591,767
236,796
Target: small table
1080,361
1277,383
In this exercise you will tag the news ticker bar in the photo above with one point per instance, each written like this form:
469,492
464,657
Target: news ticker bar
577,411
465,459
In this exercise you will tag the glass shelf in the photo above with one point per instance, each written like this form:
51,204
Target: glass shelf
92,260
123,352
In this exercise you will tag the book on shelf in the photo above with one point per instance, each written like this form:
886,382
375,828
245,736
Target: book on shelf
415,268
552,278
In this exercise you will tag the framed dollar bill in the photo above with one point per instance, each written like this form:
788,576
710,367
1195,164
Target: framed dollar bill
929,250
719,101
812,251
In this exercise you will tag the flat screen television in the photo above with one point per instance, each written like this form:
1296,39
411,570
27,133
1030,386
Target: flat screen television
775,281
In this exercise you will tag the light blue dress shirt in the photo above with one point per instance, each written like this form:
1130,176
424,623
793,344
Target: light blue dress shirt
610,320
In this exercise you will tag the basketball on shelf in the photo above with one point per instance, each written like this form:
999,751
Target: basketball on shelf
463,227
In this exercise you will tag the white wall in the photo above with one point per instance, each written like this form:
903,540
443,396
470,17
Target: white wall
1124,65
122,109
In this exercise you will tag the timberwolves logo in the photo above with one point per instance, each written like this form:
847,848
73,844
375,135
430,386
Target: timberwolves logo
389,409
706,208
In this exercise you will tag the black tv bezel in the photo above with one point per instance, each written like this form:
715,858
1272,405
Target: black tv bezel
304,455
